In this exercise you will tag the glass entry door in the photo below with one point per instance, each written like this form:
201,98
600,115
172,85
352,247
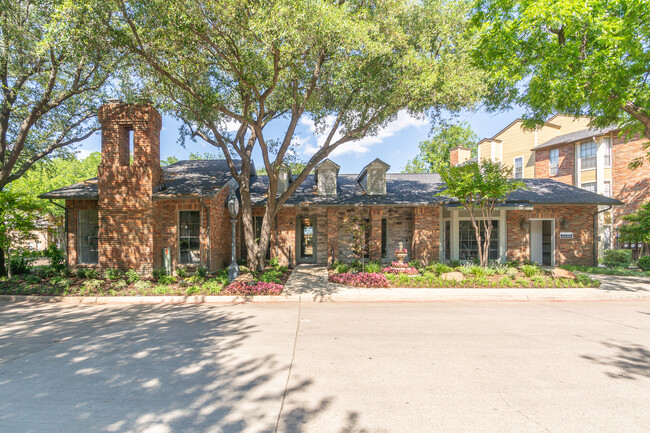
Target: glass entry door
307,239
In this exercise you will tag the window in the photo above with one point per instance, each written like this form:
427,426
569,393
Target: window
607,188
447,240
88,236
518,167
384,238
189,237
589,186
367,239
588,155
468,246
554,162
607,157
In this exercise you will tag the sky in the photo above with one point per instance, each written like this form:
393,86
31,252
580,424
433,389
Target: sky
395,144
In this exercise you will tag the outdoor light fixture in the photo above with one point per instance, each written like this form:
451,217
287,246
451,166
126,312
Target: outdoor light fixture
523,224
233,209
564,223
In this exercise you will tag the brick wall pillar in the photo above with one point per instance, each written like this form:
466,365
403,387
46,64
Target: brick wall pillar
426,233
332,235
287,237
376,214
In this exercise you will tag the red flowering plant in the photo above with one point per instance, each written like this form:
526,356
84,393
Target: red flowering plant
360,279
397,264
406,269
252,289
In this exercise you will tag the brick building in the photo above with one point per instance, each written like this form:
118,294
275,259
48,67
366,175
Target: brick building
137,215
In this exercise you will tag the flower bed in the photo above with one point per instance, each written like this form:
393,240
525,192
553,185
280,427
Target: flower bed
252,289
360,279
400,270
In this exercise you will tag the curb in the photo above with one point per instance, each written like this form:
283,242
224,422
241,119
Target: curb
357,295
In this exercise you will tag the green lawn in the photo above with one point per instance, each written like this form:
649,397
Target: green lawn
606,271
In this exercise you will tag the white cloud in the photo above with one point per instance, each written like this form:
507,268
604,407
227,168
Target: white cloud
403,121
83,153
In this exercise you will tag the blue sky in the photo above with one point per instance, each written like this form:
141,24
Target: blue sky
395,144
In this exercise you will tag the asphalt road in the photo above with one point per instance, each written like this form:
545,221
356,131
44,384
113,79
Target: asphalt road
339,368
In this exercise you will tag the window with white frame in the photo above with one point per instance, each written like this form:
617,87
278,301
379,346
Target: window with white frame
588,151
554,162
607,188
589,186
189,237
88,236
468,245
607,156
518,167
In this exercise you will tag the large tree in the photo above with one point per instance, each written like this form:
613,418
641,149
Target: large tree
580,57
349,65
434,153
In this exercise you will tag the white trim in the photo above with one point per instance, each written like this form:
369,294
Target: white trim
178,238
550,165
554,252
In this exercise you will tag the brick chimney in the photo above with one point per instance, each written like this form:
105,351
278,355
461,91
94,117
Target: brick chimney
459,155
126,218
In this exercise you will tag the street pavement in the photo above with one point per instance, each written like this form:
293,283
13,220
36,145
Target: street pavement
326,367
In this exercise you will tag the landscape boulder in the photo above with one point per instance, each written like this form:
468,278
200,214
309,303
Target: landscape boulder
452,276
563,273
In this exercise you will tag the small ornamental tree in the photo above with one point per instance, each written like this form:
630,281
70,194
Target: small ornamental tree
638,227
357,226
18,216
479,188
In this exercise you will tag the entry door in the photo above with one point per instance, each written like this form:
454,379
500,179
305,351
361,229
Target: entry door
541,242
306,239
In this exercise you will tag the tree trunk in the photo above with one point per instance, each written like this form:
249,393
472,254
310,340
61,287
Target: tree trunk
477,231
9,273
3,269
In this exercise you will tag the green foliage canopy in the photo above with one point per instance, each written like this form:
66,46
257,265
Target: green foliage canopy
434,153
638,227
18,217
579,57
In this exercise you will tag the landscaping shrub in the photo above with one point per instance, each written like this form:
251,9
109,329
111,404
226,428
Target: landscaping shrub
56,256
131,276
119,284
274,262
530,270
439,268
245,289
644,263
373,267
142,285
406,271
93,284
355,266
454,263
181,271
158,273
213,287
477,271
341,268
222,277
166,279
202,271
617,258
112,274
271,276
195,279
417,264
32,279
20,263
360,279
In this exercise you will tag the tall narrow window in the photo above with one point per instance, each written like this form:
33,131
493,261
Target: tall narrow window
607,156
607,188
588,155
88,236
554,162
384,238
367,238
518,167
189,237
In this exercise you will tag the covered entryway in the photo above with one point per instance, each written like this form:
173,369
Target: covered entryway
306,239
542,241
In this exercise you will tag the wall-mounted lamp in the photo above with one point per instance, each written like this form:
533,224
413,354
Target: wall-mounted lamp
564,223
523,224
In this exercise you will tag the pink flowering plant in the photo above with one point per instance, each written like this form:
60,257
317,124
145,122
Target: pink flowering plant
401,250
401,270
397,264
360,279
252,289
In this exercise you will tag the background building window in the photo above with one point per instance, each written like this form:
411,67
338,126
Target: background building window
88,236
589,186
607,157
554,161
518,167
588,155
607,188
189,237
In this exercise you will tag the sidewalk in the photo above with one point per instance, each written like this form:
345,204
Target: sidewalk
308,283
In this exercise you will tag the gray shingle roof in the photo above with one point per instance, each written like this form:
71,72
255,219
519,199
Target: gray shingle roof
205,178
184,178
575,136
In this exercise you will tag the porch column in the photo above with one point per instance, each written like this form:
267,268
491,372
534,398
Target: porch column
332,235
376,214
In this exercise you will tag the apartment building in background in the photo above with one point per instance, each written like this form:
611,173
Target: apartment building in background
566,149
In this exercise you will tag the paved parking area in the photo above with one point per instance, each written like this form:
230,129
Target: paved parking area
326,367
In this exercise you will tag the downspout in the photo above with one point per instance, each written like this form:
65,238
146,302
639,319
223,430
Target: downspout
596,235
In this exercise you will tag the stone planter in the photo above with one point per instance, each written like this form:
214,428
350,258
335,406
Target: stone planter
401,256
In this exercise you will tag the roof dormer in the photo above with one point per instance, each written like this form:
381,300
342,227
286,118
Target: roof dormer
326,174
373,177
284,178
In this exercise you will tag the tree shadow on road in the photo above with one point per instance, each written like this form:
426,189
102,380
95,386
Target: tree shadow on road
630,361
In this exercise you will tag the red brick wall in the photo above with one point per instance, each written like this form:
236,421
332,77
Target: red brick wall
577,251
126,211
426,233
566,164
332,235
286,234
376,214
72,209
632,187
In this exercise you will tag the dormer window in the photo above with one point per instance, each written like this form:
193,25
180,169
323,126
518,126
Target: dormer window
326,174
284,178
373,177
